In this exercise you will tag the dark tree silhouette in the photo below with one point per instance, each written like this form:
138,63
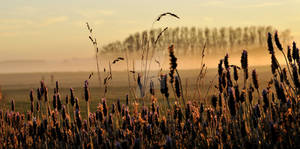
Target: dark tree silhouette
190,41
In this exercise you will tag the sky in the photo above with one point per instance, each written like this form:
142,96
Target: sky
56,30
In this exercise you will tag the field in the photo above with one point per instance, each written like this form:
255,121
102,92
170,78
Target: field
233,105
18,85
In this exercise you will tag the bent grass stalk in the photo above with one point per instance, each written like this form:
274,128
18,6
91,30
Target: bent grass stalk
95,45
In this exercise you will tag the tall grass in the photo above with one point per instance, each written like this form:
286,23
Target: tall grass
233,118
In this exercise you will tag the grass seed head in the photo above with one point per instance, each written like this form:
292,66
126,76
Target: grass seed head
220,85
244,62
12,105
237,93
173,63
265,99
43,87
119,105
56,86
54,101
39,94
277,42
231,102
289,54
214,100
235,73
72,98
295,76
254,79
295,52
46,94
67,99
127,100
64,113
86,91
76,103
243,96
220,68
226,62
31,95
274,64
59,104
177,87
37,107
228,77
152,88
270,44
139,82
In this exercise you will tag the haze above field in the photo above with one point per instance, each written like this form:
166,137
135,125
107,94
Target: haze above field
52,36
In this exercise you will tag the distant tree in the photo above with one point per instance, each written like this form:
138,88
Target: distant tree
261,35
129,43
152,37
144,39
232,38
200,39
185,39
245,36
159,42
252,32
214,37
193,39
238,35
269,29
223,41
137,38
207,37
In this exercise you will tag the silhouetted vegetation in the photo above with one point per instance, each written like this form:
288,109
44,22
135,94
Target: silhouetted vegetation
234,117
191,40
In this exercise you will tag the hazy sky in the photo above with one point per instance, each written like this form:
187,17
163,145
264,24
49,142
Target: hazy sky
55,29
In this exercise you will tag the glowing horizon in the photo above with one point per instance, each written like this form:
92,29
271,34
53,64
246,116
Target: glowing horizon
55,30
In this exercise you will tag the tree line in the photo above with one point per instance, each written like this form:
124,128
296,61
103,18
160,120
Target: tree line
191,40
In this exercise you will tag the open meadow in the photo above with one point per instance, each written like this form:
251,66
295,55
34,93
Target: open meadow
109,75
225,107
17,87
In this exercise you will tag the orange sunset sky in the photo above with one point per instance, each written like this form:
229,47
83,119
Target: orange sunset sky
55,29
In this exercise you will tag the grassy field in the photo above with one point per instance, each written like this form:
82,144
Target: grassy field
17,86
231,106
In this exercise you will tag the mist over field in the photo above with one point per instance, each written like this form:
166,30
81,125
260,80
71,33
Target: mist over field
220,74
257,57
